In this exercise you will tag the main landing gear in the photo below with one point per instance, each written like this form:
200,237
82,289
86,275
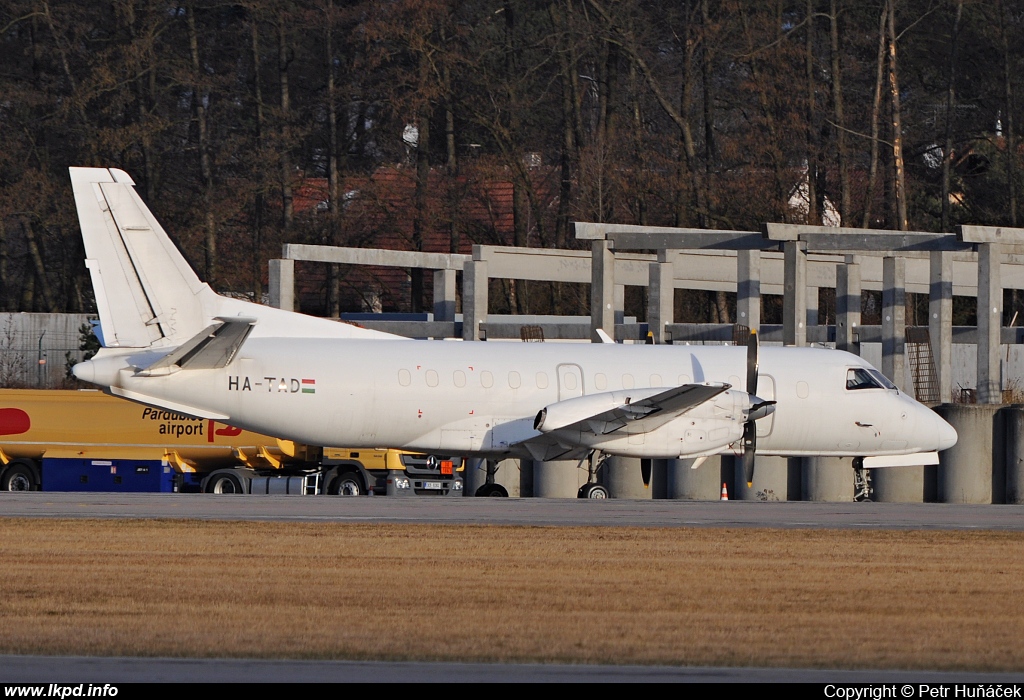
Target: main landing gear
592,489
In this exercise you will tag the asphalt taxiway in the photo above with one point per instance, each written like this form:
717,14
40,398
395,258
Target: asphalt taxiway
517,511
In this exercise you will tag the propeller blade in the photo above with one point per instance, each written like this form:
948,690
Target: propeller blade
752,361
749,446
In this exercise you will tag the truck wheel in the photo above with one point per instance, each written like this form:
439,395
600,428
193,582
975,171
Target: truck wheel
224,483
19,477
348,483
492,491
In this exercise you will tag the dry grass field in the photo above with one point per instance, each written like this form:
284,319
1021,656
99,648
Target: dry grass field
750,597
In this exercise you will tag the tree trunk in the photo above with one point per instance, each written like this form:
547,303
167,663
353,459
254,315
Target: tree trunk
840,116
259,200
283,61
205,167
899,169
811,152
1011,142
876,119
947,151
333,187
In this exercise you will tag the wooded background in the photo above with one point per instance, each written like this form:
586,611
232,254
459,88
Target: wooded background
436,124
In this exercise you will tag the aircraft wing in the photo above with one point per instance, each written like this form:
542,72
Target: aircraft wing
212,348
643,415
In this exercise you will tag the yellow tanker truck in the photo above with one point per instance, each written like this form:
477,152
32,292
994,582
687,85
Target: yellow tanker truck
88,441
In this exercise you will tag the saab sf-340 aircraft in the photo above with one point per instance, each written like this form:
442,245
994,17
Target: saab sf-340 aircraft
170,341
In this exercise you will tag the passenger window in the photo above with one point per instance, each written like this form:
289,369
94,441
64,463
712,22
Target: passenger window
542,380
486,379
600,381
656,380
404,378
431,377
627,381
460,378
514,380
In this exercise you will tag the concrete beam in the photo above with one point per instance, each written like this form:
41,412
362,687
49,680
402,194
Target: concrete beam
691,240
991,234
374,256
881,242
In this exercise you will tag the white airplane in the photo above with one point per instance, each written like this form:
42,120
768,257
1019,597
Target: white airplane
170,341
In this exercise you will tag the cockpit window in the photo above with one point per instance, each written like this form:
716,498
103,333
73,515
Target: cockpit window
862,378
881,379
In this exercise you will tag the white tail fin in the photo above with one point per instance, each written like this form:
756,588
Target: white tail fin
146,293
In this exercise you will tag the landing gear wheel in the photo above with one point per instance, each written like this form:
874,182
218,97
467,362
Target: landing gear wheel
492,491
224,483
593,491
348,483
19,477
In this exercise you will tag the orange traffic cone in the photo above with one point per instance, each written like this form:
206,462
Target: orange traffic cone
725,492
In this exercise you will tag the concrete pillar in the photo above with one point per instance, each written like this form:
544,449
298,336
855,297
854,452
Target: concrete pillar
701,484
894,319
281,283
990,323
624,478
1014,422
748,288
771,480
903,484
659,478
940,320
474,475
794,300
812,305
526,478
848,305
557,479
602,290
974,469
660,299
444,295
828,479
474,299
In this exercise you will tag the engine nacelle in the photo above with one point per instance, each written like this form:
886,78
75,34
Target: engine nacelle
558,415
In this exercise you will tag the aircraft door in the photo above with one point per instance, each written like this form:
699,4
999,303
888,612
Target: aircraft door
766,391
570,382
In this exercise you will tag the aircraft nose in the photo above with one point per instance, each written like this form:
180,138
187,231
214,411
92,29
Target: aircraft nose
947,433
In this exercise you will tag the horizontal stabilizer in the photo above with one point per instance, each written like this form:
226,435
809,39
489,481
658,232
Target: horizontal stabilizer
212,348
169,405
